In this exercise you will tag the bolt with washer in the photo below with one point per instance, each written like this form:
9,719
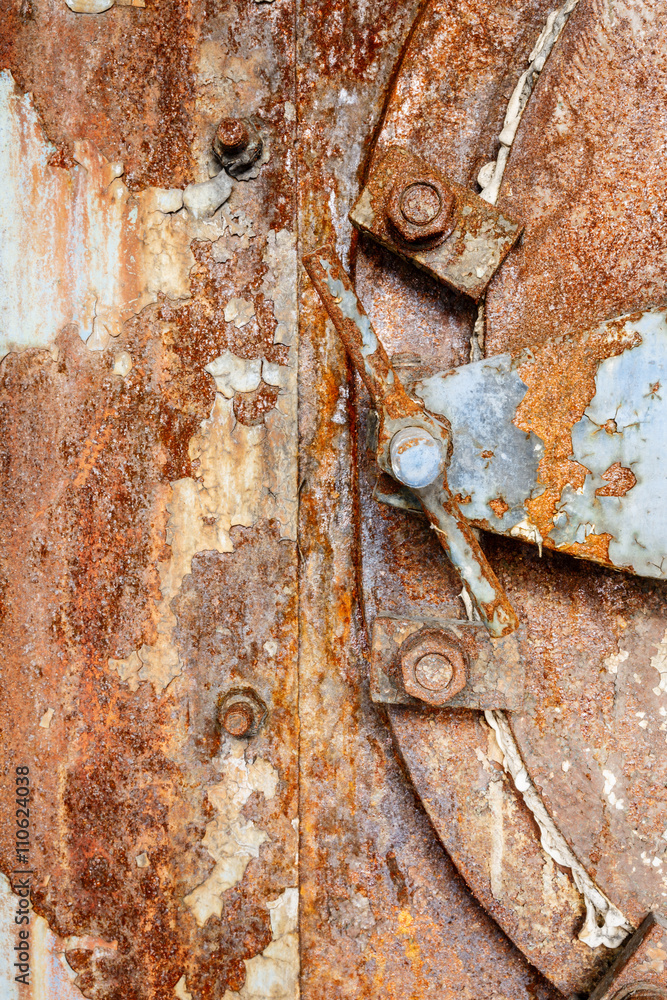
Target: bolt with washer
434,666
237,144
421,210
242,713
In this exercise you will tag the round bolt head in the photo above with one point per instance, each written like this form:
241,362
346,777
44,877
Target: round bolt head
238,719
420,203
416,457
434,672
434,666
231,135
421,210
242,713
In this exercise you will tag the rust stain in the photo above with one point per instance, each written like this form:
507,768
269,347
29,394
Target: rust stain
620,480
499,506
560,381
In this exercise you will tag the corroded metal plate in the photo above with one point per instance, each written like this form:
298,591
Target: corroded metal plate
591,731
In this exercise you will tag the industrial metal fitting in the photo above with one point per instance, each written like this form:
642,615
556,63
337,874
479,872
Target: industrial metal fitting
434,666
416,457
242,713
237,144
422,209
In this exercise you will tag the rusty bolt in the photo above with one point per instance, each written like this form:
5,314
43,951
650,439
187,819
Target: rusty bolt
237,144
231,135
242,713
434,666
421,209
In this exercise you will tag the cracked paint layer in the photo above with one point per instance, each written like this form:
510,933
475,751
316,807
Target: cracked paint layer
274,975
605,924
244,473
625,424
231,841
78,246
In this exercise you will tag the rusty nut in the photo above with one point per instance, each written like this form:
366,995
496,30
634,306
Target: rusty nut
231,135
434,666
237,144
421,209
242,713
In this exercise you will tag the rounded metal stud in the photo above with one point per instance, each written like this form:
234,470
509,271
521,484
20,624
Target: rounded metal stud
416,457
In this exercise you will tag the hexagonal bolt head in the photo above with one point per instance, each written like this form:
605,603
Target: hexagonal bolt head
421,210
434,666
242,713
237,144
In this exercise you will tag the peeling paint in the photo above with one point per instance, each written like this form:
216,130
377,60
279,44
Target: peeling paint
275,973
105,253
659,663
491,174
99,6
245,473
45,720
231,841
625,423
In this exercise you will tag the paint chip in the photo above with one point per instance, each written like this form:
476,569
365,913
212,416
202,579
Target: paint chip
122,363
142,860
239,312
45,721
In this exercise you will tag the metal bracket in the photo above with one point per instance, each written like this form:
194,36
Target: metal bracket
491,670
443,228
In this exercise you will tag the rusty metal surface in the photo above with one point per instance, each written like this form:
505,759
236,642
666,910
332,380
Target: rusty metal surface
639,971
586,176
148,505
153,590
405,428
461,242
576,614
492,669
377,890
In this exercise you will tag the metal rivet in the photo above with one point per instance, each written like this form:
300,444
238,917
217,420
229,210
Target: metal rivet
416,457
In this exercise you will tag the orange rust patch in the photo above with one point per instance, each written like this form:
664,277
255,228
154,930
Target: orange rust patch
499,506
595,548
620,480
561,383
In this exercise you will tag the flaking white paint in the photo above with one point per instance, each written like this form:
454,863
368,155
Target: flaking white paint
244,473
604,924
231,840
79,247
274,975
